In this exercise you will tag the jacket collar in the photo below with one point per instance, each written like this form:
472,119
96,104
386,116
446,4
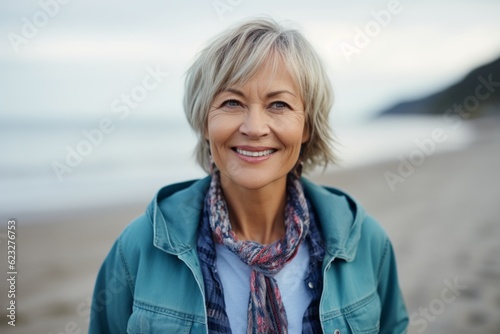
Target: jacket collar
340,219
176,210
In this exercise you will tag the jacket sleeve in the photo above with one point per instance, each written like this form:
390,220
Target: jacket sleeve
394,317
112,299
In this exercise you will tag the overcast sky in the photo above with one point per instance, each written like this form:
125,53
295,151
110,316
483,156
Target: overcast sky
86,53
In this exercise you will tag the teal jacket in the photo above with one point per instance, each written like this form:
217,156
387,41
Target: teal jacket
151,280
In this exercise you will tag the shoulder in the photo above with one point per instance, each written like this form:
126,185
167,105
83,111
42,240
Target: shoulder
345,225
374,241
172,204
169,223
373,232
138,233
130,246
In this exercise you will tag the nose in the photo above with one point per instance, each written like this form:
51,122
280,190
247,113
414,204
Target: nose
255,123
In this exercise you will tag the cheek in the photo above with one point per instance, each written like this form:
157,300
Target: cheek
219,129
290,133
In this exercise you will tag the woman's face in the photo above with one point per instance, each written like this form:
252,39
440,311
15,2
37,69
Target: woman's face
256,130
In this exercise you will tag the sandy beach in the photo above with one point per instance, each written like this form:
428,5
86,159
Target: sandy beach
443,221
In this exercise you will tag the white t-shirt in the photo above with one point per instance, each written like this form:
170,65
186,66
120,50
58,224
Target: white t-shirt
235,277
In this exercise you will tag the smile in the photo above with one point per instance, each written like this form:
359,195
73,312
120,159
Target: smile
254,154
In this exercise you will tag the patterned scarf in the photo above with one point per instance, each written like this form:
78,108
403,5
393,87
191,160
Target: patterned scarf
266,313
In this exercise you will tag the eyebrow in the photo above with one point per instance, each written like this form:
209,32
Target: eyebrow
271,94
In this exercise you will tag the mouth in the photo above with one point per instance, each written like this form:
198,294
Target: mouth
254,152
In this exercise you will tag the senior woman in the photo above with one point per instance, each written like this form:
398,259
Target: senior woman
253,247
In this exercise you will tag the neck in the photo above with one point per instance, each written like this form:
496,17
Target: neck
257,214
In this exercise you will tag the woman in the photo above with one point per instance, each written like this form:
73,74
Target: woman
253,247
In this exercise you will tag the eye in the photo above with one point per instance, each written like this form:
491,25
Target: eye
280,105
232,103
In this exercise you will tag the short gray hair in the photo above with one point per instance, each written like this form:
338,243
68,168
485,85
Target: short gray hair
235,55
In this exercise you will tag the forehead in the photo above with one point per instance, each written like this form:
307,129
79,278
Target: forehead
272,71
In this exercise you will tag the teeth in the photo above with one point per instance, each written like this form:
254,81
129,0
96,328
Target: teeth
254,154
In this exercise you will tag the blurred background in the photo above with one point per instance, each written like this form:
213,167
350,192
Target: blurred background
91,126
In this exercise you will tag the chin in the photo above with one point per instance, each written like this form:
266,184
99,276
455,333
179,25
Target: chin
252,179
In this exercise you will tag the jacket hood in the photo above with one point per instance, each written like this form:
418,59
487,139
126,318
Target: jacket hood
176,210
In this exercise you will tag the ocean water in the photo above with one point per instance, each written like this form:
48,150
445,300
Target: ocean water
40,172
124,165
